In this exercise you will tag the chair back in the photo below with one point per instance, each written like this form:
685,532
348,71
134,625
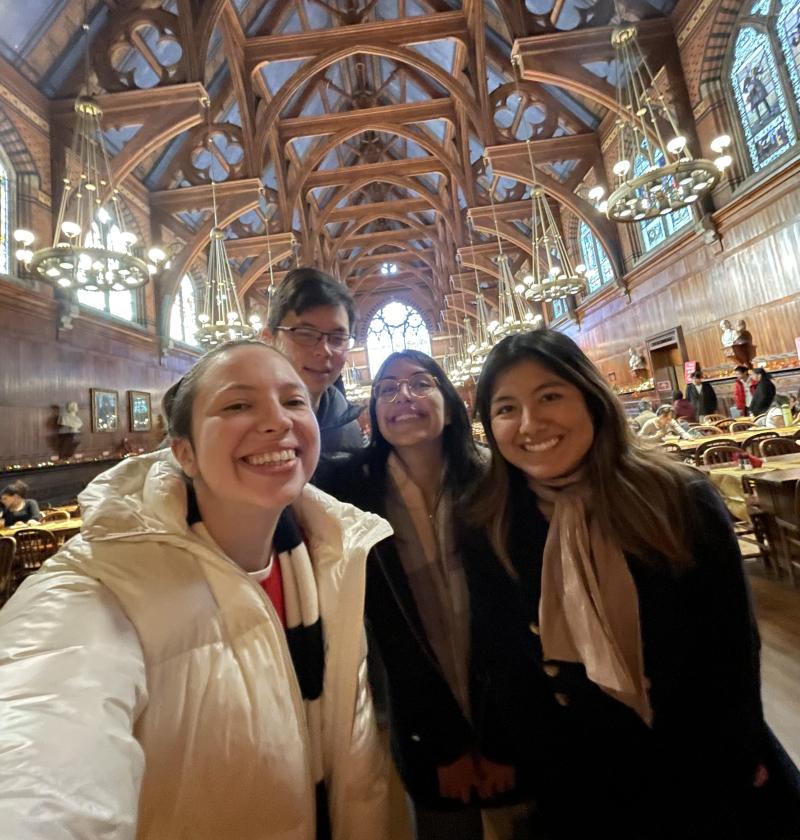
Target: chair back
711,419
778,446
708,444
8,547
54,515
672,448
721,454
724,425
704,431
34,546
742,426
753,443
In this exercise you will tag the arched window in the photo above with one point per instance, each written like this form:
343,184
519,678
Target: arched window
764,77
559,306
395,327
120,304
599,272
183,316
657,230
5,215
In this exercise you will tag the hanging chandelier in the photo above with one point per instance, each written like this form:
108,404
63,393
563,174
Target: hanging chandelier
552,275
91,248
654,176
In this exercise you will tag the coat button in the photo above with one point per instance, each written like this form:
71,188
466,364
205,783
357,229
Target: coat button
551,670
534,628
416,738
562,699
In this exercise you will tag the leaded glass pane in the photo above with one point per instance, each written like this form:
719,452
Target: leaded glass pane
395,327
559,308
763,112
760,7
788,28
599,271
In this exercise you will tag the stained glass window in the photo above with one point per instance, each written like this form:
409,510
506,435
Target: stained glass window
758,91
599,271
5,220
760,7
119,304
559,308
395,327
183,315
788,27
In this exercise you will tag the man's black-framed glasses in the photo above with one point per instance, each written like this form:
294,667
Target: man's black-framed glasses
419,385
310,337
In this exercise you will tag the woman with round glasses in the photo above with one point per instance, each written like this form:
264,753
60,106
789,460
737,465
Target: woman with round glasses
419,464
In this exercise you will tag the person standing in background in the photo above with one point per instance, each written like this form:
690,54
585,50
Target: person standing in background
701,395
742,390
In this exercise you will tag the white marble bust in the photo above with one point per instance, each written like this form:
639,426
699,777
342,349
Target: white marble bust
69,421
729,335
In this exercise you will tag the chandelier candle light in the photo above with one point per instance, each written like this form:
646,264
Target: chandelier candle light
654,176
91,249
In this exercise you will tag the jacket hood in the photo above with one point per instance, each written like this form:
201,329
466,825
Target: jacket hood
146,497
334,409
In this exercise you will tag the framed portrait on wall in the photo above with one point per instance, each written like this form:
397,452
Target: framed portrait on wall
105,410
139,411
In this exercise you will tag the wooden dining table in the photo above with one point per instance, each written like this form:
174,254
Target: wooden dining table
62,529
689,446
776,497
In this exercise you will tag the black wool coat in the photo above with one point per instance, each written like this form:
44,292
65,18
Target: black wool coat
427,726
598,770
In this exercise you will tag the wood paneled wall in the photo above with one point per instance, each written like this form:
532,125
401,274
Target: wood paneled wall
42,369
752,272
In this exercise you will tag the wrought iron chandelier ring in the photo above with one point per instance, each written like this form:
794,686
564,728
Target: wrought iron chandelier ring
93,269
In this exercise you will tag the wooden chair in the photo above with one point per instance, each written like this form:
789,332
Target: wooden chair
756,533
672,448
712,419
704,431
721,454
709,444
760,417
778,446
742,426
787,519
55,515
724,425
34,546
752,444
8,546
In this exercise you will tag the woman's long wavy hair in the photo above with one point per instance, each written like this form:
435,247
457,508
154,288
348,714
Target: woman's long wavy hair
463,463
640,494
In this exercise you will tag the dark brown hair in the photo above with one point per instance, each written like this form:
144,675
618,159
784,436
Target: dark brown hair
306,288
641,497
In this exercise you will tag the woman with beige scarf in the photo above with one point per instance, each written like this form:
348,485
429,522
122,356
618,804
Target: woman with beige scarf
619,587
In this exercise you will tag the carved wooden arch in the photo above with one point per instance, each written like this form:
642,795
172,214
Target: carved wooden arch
270,114
407,299
371,217
718,43
409,224
404,183
319,154
402,248
209,15
261,265
17,151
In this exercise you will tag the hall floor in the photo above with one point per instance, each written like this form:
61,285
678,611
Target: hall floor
777,606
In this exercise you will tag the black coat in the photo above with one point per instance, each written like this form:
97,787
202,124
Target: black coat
704,400
427,726
762,397
599,770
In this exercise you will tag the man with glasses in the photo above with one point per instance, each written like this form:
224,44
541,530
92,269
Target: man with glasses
311,320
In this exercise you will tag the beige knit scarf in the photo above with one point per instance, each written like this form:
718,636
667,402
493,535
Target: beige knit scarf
589,607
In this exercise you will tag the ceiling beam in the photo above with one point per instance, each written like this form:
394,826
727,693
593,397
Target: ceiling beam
369,240
312,44
401,114
355,212
375,171
200,197
256,246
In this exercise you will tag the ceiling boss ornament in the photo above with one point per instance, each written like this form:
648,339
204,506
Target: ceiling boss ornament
655,171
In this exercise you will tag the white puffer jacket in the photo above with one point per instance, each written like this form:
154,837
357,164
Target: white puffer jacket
146,687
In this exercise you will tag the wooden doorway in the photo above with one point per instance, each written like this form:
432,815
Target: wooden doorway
667,352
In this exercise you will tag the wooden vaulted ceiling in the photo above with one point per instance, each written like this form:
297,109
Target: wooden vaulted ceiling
359,129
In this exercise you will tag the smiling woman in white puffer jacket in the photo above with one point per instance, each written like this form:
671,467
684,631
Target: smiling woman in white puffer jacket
153,686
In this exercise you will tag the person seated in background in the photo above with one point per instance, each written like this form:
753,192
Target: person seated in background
682,408
794,406
17,508
663,425
645,413
775,418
